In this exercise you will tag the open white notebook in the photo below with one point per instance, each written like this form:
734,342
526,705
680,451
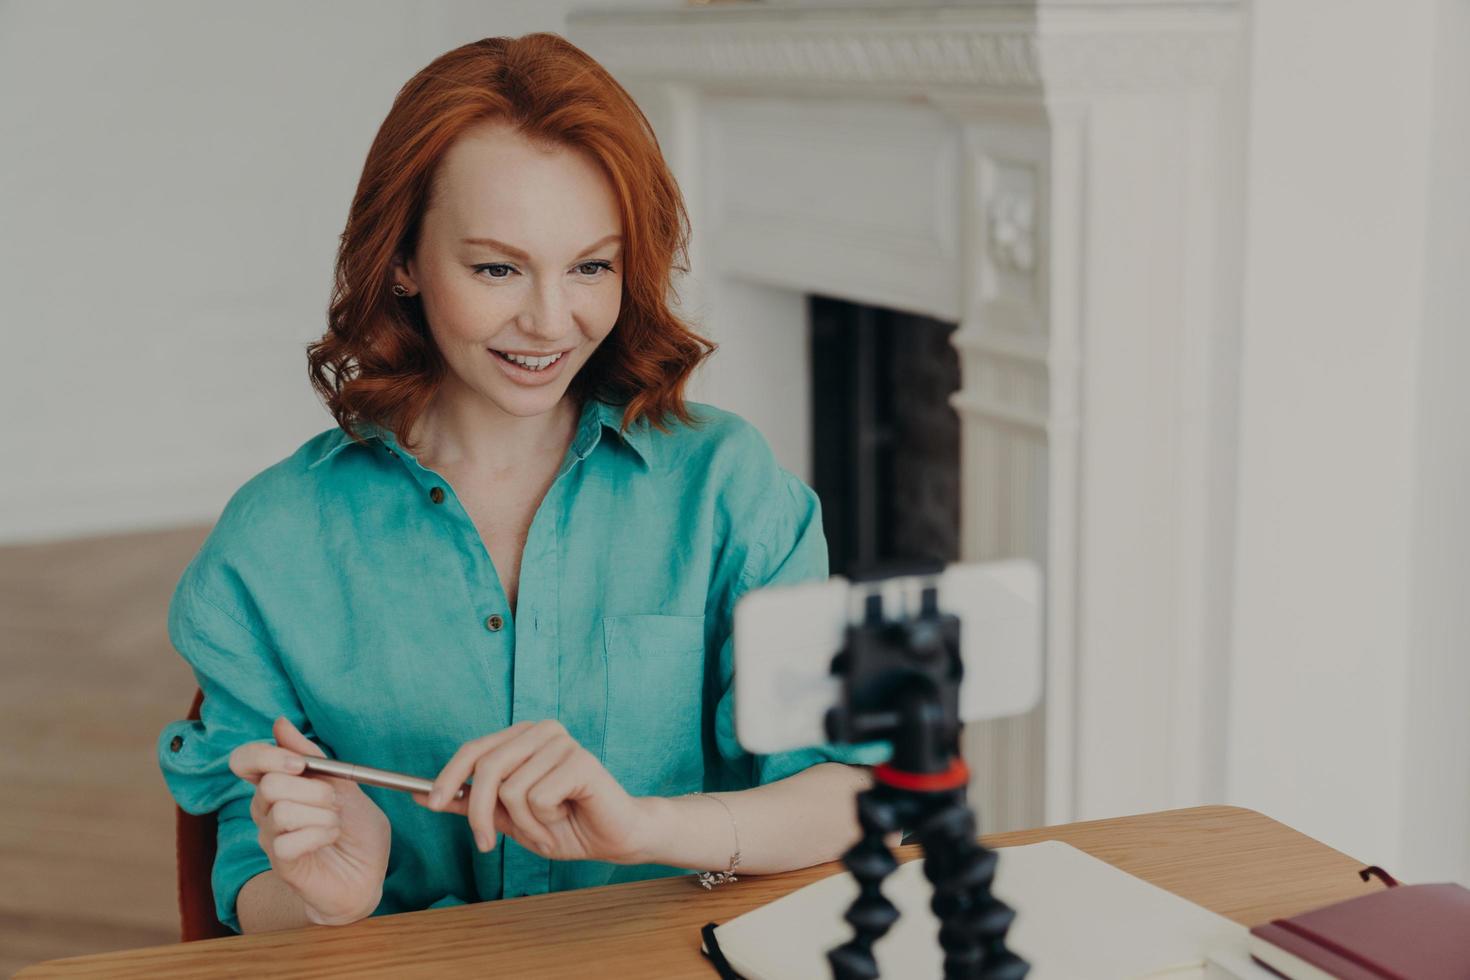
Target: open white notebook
1076,917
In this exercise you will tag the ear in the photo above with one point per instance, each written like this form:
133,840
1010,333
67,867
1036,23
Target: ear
403,273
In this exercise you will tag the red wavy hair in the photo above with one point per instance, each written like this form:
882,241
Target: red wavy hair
377,360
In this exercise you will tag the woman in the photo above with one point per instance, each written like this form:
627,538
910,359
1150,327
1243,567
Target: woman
515,559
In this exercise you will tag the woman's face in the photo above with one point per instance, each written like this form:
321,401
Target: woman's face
518,260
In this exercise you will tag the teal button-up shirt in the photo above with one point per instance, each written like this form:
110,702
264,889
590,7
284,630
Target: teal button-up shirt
346,588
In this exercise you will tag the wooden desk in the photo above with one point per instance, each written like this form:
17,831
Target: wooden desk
1236,862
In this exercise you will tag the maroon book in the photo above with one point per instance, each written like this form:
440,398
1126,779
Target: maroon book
1409,932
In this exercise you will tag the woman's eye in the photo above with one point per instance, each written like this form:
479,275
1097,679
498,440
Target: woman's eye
596,268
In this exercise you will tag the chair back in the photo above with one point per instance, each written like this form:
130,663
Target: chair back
195,842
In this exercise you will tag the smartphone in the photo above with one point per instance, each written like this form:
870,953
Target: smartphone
786,637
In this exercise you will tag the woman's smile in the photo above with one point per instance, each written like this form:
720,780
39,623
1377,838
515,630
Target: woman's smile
529,370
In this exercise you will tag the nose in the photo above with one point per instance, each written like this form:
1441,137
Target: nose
549,317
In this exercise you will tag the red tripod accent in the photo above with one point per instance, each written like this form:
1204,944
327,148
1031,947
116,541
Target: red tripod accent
955,777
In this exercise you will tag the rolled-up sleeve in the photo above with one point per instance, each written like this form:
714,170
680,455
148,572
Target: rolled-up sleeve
245,690
787,546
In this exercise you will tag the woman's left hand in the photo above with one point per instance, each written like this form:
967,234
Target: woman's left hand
536,783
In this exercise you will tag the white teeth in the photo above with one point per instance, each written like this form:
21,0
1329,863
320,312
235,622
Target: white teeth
533,363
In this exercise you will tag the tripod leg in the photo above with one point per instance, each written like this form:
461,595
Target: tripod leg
973,922
870,915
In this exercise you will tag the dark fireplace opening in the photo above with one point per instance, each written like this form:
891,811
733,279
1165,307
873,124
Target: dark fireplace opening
885,439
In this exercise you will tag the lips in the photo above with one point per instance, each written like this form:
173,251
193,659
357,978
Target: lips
532,362
529,376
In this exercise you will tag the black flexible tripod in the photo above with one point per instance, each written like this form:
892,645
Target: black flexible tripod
901,681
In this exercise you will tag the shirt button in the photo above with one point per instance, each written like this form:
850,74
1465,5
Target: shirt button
494,623
437,495
176,743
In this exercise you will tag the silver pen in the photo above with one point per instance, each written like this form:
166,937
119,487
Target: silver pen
376,777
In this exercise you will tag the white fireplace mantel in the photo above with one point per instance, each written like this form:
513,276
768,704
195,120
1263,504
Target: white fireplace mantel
1051,48
1061,180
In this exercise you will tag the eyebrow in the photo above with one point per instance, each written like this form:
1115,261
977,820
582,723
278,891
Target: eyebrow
516,253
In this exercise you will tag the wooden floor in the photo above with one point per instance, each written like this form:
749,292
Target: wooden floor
87,680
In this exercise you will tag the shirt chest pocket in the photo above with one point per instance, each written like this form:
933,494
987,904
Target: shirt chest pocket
655,674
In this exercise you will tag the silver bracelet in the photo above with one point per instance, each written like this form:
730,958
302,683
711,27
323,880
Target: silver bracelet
710,879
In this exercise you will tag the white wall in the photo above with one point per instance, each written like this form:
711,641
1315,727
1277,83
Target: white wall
173,179
1349,686
762,370
1435,805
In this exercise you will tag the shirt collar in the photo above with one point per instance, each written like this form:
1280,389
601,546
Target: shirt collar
599,415
596,415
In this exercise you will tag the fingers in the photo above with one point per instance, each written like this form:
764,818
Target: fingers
553,755
254,759
288,815
495,766
275,785
299,843
287,736
459,767
546,796
275,788
462,807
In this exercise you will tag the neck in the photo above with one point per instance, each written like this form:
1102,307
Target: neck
472,433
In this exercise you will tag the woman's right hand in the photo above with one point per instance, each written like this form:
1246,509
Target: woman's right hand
324,836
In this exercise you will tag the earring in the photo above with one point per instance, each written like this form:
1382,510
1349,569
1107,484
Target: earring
399,289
